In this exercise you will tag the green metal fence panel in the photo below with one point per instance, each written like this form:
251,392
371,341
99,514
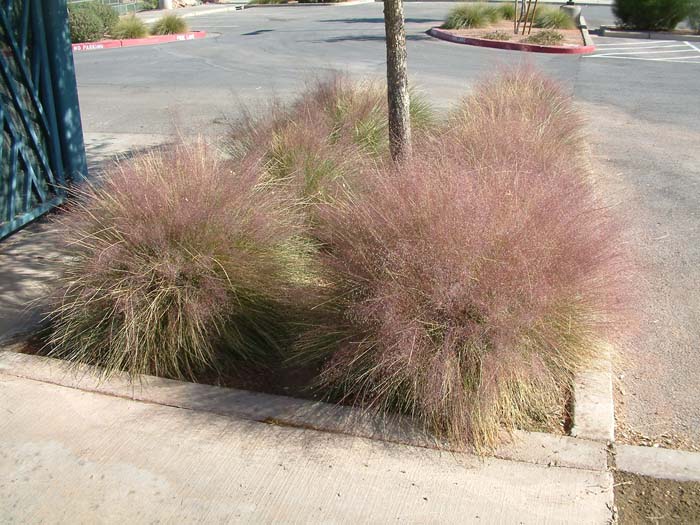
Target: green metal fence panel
41,139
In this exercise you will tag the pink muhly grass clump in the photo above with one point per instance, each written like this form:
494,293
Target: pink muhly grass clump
320,141
177,263
521,118
466,292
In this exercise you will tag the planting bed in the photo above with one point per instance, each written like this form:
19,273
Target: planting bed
572,43
460,289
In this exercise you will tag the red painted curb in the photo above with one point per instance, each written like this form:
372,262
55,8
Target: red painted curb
151,40
513,46
100,44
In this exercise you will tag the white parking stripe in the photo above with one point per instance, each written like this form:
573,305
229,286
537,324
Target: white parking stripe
628,51
696,57
625,49
639,43
648,59
686,50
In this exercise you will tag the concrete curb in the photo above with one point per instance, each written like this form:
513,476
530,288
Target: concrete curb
664,463
129,42
583,27
512,46
593,407
645,35
527,447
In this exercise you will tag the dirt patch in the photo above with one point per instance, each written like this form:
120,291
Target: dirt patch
640,499
572,37
625,433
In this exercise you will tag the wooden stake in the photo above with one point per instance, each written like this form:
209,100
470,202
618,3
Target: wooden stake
527,15
534,11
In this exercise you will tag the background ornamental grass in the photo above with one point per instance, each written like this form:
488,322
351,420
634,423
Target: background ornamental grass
463,289
480,14
169,25
320,142
130,27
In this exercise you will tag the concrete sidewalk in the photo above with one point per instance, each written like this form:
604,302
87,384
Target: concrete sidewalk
70,456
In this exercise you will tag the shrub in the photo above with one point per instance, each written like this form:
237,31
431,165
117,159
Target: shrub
130,27
169,25
469,16
651,15
507,11
551,18
178,264
498,35
85,26
108,16
694,17
546,37
465,294
148,5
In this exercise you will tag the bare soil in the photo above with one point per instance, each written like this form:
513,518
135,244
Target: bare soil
640,499
572,37
625,433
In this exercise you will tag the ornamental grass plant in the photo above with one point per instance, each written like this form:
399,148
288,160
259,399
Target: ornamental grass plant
541,127
130,27
169,25
473,16
552,18
319,141
466,288
179,264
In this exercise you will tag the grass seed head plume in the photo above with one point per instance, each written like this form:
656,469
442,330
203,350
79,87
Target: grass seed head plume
178,262
467,294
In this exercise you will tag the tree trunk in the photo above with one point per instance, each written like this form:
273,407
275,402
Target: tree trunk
397,81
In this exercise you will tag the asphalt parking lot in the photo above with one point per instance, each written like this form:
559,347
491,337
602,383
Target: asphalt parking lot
640,98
